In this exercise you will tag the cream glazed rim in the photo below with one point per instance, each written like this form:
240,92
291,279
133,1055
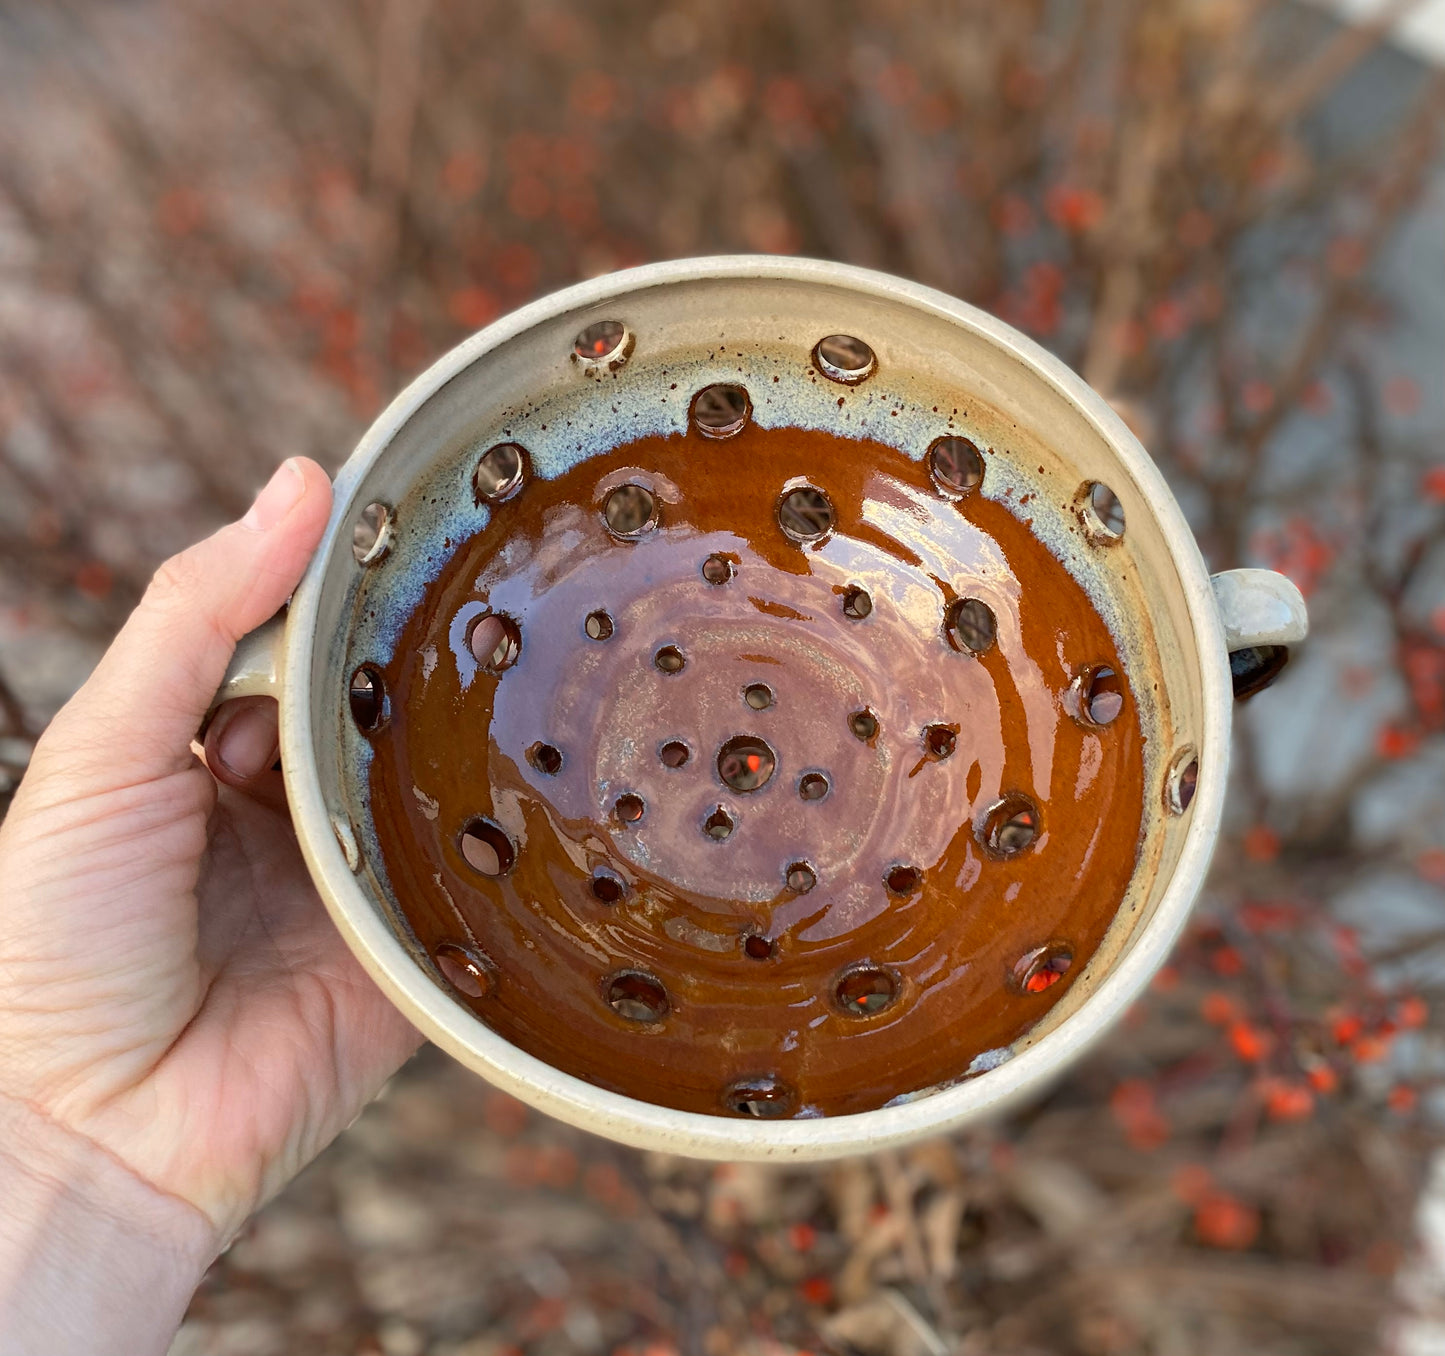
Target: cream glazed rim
393,964
329,844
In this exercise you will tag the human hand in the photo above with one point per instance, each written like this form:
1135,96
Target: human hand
181,1026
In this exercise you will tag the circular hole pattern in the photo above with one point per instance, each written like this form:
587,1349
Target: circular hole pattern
370,705
371,534
805,514
718,569
971,625
468,971
863,990
499,473
486,848
630,807
718,825
721,411
940,740
607,885
674,753
956,466
630,512
813,786
637,996
604,342
1100,695
745,763
765,1098
1041,968
864,724
801,878
1010,826
903,880
842,358
495,641
1183,780
1103,513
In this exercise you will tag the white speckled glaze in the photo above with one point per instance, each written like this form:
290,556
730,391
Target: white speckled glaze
942,366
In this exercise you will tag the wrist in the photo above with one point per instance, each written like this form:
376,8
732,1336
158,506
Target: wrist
93,1259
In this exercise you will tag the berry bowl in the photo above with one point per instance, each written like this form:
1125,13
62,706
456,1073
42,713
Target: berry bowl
760,708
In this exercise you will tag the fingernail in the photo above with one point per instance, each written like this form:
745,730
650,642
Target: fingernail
247,744
277,499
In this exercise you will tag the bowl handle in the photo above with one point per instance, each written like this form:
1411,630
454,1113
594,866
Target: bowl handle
255,668
1263,615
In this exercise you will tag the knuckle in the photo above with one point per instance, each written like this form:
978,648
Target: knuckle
175,582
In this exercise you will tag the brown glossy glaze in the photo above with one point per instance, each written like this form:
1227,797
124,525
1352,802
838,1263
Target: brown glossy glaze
883,885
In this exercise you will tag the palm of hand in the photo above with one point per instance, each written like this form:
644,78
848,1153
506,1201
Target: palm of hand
197,1015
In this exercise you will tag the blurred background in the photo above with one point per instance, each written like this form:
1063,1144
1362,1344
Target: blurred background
229,233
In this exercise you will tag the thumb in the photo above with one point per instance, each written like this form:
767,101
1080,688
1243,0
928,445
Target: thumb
135,717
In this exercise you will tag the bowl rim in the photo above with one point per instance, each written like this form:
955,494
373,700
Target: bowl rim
644,1124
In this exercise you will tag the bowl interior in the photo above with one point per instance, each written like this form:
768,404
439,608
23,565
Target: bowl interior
941,368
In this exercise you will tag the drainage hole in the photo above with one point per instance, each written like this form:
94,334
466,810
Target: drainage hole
486,848
1041,968
956,466
759,947
499,473
600,342
842,358
630,511
758,695
721,411
495,641
801,878
718,569
940,740
1011,826
765,1098
1100,695
630,807
637,996
370,705
669,659
466,970
718,825
607,885
857,604
745,763
1182,782
863,990
864,724
813,786
1104,512
970,625
674,753
598,626
805,514
903,880
545,758
371,534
